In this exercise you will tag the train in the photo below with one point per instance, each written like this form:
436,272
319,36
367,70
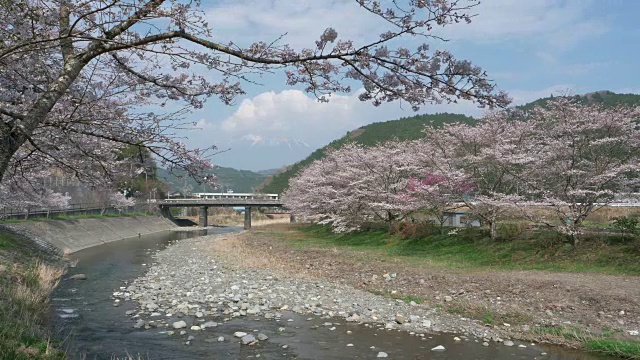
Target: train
232,195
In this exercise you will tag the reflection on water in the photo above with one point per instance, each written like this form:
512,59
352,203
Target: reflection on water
91,327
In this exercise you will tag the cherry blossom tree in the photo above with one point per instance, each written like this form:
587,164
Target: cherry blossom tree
355,185
433,194
119,201
480,164
78,78
581,155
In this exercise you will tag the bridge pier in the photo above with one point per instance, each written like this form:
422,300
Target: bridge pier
247,217
204,216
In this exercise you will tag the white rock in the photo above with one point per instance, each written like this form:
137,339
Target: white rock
179,324
508,343
239,334
457,339
438,348
382,354
248,339
195,328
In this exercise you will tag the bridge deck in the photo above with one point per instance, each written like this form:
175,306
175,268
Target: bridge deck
219,202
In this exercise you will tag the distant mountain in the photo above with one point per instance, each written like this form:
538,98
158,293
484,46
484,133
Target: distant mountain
227,179
605,97
408,128
268,172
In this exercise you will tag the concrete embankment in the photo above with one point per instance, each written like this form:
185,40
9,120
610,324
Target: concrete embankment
74,235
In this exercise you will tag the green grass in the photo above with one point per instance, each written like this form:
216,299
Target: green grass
26,281
621,348
472,248
602,343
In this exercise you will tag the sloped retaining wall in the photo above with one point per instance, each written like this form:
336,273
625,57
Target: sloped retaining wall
74,235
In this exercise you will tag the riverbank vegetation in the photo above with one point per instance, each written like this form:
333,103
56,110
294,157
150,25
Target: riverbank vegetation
472,248
27,277
552,167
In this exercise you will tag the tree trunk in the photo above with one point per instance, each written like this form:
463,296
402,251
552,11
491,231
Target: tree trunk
10,142
493,229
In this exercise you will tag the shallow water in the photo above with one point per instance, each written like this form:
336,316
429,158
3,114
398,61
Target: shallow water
90,327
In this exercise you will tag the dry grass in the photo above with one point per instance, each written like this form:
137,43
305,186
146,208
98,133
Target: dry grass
25,286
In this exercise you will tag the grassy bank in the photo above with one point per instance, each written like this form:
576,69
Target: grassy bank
27,277
607,342
472,248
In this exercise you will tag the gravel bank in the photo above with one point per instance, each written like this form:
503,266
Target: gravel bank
190,288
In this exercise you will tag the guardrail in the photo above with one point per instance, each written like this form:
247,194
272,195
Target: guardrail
71,209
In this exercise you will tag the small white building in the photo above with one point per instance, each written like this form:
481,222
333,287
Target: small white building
459,218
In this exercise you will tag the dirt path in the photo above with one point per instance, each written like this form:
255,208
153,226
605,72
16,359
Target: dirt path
514,302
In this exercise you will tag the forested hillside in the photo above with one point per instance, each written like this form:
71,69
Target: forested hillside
408,128
227,179
607,98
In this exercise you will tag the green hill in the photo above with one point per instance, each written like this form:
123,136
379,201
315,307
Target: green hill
227,179
605,97
408,128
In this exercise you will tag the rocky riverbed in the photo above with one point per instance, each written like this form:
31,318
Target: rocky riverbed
189,289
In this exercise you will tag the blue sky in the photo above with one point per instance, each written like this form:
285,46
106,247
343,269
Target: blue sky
531,48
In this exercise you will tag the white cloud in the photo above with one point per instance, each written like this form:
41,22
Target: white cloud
556,22
291,114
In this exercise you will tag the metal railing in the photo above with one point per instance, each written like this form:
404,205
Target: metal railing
72,209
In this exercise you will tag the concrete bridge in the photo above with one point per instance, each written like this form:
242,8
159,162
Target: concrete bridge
205,204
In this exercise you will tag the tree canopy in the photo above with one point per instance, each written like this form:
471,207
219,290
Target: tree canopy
79,79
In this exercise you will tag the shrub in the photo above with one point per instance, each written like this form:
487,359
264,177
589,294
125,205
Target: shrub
627,224
418,230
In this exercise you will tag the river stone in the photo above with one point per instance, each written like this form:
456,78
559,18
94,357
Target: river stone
195,328
382,354
400,319
253,310
191,337
262,337
179,324
139,324
78,277
220,338
209,324
129,312
239,334
508,343
438,348
248,339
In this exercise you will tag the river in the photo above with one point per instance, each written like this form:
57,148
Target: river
89,326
